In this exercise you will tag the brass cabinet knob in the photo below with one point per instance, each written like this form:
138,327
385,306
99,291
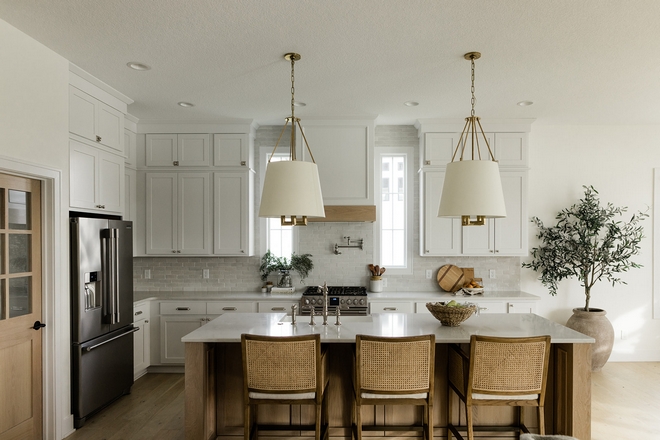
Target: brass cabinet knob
98,138
175,163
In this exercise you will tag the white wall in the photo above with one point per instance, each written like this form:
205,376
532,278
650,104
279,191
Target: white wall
34,114
618,161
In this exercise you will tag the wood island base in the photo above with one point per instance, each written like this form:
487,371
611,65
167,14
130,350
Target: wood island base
214,399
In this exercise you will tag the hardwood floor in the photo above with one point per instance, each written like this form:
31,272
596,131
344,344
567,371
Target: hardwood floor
153,410
625,399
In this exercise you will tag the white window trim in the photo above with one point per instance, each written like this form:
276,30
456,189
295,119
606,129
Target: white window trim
409,152
264,152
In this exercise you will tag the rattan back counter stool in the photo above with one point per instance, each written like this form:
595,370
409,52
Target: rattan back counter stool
394,371
498,371
287,370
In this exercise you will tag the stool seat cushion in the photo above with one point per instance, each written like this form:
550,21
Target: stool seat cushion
394,396
479,396
282,396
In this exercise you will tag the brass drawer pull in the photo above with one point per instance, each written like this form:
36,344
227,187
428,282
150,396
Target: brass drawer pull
183,309
229,309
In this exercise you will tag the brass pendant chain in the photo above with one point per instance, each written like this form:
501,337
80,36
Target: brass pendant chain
472,88
293,88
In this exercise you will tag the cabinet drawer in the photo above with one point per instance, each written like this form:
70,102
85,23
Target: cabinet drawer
218,308
141,311
391,307
183,308
277,306
521,307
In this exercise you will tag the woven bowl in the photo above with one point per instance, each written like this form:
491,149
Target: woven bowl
451,316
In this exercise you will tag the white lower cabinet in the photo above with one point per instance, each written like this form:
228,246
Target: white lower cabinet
391,307
141,339
490,306
178,318
278,306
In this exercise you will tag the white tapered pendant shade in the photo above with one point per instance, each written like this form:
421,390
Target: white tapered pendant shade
291,188
472,188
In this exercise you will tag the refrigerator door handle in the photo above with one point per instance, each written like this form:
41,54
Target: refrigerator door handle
110,273
131,331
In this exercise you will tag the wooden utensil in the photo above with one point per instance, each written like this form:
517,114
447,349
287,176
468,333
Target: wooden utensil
372,269
382,271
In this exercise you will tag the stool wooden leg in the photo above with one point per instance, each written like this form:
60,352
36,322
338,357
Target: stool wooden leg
429,422
541,411
468,421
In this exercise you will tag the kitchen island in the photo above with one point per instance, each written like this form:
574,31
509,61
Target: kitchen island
214,383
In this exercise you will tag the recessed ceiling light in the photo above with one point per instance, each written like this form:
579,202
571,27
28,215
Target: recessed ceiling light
299,104
138,66
185,104
525,103
411,103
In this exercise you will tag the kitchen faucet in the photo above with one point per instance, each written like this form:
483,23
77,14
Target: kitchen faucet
325,303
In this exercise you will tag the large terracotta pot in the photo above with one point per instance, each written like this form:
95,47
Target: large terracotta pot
594,323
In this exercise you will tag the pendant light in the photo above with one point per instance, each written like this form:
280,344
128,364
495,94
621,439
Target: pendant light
292,189
472,187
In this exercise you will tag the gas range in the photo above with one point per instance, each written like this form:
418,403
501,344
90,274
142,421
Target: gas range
351,300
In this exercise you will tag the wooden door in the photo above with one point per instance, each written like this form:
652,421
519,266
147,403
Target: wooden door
20,309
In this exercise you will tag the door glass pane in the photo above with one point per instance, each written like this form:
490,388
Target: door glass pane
18,209
20,296
2,253
3,312
19,253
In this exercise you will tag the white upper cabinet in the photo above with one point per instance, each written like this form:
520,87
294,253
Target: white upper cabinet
441,235
231,150
233,215
498,237
182,150
96,179
130,148
178,214
343,152
95,121
503,236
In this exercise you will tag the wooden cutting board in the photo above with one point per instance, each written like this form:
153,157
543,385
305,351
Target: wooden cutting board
450,278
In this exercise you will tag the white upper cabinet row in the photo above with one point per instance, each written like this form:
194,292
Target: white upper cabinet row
185,215
498,237
194,150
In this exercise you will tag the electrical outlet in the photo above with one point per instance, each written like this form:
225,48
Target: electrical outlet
384,282
429,274
492,273
205,273
147,274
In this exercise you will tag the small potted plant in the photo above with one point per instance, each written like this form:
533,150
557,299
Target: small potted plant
590,243
300,263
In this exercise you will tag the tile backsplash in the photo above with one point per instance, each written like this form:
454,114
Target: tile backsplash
318,239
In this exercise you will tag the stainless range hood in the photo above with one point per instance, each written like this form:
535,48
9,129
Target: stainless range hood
347,213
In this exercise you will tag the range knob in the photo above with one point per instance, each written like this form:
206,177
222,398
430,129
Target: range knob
342,301
306,301
362,302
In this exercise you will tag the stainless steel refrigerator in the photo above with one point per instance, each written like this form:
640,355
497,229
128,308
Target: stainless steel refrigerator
102,313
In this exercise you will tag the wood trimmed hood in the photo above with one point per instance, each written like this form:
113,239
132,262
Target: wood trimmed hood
347,213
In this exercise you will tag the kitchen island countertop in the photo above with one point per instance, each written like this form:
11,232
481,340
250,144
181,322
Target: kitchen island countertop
229,327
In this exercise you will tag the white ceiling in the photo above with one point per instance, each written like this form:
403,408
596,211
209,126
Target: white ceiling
579,61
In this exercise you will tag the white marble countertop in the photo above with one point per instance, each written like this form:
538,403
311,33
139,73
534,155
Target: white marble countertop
229,327
381,296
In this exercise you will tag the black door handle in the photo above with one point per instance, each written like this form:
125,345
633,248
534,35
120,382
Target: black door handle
37,325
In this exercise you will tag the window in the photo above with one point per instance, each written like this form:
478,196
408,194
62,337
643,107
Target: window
394,224
279,239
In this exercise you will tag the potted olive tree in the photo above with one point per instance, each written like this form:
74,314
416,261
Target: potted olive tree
300,263
590,243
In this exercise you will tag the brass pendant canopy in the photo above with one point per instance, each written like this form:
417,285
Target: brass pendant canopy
292,189
472,187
